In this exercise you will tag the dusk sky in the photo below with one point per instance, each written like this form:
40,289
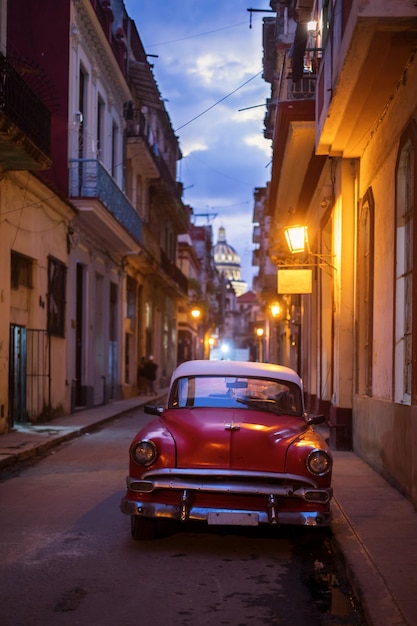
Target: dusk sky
209,68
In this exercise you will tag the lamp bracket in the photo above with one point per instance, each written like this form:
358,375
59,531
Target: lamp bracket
312,260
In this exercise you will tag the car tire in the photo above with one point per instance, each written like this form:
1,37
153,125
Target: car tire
142,528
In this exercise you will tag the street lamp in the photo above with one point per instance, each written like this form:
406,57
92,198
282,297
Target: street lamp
297,238
260,333
276,309
196,313
312,27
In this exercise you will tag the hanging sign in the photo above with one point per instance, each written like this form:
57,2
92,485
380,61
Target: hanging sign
295,281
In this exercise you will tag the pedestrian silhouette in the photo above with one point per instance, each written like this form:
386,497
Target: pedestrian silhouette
150,373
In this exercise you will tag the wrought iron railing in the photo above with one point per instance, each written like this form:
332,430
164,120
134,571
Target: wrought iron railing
89,179
23,108
137,126
174,272
303,89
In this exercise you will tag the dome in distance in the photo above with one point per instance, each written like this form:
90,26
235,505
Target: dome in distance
227,262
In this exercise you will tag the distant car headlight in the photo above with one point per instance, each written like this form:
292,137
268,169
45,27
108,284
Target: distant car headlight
144,452
319,462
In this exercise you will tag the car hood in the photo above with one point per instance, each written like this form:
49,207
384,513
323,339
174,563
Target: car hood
235,439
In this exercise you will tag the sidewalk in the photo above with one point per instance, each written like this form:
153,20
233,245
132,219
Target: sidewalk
34,440
374,527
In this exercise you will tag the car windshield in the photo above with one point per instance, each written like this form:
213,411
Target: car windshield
242,392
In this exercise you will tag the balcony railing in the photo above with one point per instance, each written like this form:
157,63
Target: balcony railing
137,126
303,89
89,179
23,108
174,272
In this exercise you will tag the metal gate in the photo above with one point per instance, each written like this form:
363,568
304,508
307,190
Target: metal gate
29,375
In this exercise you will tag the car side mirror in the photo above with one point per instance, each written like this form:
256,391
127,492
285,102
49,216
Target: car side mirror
315,420
152,409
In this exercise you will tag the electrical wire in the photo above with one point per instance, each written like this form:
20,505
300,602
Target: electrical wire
218,102
209,32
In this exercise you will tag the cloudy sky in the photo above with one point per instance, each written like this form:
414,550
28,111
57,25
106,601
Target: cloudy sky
209,71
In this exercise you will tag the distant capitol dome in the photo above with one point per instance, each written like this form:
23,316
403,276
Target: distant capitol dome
227,262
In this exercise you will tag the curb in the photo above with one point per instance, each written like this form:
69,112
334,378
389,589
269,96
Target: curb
368,585
39,448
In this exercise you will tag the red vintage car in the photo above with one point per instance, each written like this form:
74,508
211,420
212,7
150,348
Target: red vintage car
233,445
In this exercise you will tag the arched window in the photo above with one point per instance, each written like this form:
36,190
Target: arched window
404,275
365,295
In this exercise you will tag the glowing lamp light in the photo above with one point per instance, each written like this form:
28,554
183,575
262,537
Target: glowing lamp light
312,27
195,313
275,309
260,332
297,238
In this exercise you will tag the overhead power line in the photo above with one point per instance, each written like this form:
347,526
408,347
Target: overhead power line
209,32
218,102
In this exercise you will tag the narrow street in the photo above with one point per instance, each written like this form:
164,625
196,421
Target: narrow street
66,555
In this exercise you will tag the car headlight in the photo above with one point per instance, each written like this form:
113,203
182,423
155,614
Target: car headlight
319,462
144,452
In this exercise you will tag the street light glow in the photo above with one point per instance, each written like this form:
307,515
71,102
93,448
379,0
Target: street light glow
276,309
297,238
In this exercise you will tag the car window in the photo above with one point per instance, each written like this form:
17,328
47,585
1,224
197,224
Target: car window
237,392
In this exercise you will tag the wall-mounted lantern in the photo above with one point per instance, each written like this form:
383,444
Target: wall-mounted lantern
296,276
297,239
276,309
195,313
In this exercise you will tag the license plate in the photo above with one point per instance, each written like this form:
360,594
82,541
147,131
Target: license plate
232,518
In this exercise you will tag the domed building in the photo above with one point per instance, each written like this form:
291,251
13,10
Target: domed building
227,262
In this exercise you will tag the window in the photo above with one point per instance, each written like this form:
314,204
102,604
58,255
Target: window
57,274
130,298
20,271
82,107
365,294
237,392
113,312
100,127
114,139
404,274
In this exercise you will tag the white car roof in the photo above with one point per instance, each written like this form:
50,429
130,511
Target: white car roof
235,368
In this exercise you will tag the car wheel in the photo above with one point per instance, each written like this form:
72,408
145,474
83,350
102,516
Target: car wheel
142,527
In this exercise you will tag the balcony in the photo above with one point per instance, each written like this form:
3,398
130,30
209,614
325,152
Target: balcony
143,148
302,89
174,273
152,260
140,144
362,65
104,208
295,167
256,234
25,125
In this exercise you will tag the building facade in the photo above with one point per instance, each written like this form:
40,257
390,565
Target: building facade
90,278
342,118
34,253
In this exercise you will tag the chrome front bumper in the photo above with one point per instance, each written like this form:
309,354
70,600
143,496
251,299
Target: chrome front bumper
246,517
274,489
